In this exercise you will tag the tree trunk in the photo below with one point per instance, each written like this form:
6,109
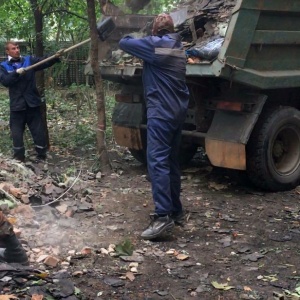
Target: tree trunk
101,117
39,51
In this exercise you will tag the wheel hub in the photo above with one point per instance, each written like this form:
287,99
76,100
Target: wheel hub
285,151
278,149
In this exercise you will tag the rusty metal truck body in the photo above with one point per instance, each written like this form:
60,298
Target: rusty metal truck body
244,105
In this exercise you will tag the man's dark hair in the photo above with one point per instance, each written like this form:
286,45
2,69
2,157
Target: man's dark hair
163,24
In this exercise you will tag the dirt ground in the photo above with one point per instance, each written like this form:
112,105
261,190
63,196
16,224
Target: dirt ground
237,242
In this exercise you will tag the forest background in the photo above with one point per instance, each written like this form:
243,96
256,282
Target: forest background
71,107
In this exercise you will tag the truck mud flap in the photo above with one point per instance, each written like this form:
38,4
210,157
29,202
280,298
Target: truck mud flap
128,137
126,120
225,154
226,139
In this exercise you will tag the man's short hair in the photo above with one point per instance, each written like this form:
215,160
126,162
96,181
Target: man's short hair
10,43
163,24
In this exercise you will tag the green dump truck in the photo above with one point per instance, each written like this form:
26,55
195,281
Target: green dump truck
244,104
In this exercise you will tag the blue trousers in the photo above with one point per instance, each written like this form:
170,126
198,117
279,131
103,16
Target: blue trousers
163,141
33,119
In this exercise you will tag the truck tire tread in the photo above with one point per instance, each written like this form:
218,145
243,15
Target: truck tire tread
258,168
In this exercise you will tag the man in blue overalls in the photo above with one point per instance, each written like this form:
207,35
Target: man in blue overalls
25,100
167,98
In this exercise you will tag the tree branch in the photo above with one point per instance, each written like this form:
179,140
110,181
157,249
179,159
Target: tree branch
65,11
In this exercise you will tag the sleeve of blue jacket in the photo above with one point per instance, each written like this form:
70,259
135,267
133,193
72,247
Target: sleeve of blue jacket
45,65
142,48
8,79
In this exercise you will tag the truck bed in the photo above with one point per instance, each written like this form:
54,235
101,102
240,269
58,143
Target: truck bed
261,47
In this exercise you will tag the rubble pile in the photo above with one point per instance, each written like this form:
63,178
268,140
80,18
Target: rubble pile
209,17
202,25
40,206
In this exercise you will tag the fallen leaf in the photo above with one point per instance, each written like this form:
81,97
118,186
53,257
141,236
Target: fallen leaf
77,273
217,186
130,276
77,291
182,256
42,275
12,220
270,278
15,192
86,251
162,293
221,286
124,248
171,251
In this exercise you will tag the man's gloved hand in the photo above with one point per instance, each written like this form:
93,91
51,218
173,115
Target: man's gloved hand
21,71
59,53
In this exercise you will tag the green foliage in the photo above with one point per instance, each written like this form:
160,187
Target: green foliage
5,145
154,7
71,120
109,105
77,291
295,294
71,114
124,249
16,20
63,20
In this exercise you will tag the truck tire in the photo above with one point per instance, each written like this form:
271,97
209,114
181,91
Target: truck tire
139,155
273,150
186,151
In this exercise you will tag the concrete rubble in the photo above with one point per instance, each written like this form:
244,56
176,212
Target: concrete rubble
198,22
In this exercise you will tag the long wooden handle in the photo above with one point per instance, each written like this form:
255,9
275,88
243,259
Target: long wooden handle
54,56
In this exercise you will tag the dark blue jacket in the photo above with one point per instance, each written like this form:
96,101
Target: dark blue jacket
163,74
22,88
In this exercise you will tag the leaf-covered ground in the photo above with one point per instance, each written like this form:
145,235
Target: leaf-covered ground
81,229
237,242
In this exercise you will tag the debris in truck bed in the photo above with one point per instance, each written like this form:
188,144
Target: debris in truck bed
211,19
198,22
207,50
205,27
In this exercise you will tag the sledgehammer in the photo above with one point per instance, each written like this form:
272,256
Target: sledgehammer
104,29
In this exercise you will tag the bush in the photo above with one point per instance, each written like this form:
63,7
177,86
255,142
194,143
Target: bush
71,117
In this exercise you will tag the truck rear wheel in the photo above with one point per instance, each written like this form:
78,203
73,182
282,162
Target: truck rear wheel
273,151
139,155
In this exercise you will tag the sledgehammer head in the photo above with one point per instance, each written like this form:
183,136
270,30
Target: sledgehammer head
105,28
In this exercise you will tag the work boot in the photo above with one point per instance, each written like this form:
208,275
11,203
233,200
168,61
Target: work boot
178,217
157,227
13,251
19,158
